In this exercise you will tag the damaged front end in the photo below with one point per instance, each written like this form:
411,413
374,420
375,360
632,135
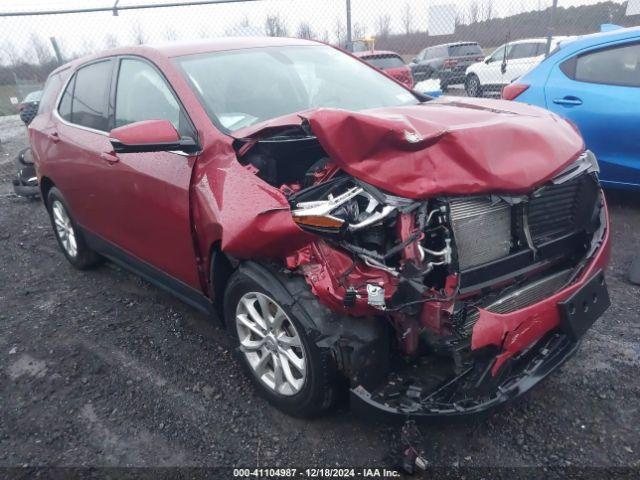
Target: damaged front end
485,293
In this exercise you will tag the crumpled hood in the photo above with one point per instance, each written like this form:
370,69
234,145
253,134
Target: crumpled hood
445,146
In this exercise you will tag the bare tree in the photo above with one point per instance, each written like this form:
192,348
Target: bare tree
383,26
137,32
407,19
325,36
340,33
10,54
274,26
474,12
487,10
359,31
87,48
110,40
305,31
170,34
40,49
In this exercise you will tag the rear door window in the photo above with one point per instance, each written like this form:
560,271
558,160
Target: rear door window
523,50
612,66
90,91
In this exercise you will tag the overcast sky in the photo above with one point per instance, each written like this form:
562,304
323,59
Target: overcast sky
80,33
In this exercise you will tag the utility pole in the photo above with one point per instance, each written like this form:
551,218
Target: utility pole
551,26
349,39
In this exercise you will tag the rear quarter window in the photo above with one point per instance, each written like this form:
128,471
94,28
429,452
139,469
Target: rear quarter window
50,93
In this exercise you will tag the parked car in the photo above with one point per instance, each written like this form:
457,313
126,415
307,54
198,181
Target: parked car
348,230
25,183
29,106
447,62
389,62
507,63
594,81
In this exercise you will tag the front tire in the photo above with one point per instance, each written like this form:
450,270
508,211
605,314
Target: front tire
473,86
275,346
68,235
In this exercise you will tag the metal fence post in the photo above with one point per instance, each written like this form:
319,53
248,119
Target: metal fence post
349,39
551,26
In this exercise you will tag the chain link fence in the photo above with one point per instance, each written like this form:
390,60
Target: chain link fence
440,41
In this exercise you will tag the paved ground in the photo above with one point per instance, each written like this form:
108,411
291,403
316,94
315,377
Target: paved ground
100,368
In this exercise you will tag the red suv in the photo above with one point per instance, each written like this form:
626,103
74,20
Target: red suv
389,62
436,257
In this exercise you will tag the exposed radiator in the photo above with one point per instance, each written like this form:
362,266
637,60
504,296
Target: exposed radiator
561,209
481,229
522,297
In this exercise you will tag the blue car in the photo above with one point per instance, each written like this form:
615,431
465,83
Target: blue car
594,81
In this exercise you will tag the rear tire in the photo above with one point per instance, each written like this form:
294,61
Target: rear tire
263,320
68,235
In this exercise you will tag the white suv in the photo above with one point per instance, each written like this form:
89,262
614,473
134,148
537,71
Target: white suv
505,64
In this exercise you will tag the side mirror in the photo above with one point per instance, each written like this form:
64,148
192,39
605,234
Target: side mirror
487,59
414,60
150,136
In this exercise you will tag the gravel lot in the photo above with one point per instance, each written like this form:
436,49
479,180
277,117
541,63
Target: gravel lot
100,368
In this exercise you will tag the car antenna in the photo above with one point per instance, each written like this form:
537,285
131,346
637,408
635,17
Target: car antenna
503,67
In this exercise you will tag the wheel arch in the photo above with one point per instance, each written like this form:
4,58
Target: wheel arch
46,184
221,267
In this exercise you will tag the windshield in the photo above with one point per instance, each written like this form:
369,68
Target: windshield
242,87
389,61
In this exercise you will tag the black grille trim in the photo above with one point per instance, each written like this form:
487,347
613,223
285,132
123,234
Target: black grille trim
558,210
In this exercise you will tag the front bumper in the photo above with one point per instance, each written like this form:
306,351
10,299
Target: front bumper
526,346
526,371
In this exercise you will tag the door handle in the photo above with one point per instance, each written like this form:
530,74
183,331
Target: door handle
110,158
571,101
54,137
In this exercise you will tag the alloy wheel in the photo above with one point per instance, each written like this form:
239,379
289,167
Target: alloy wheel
64,229
473,86
271,344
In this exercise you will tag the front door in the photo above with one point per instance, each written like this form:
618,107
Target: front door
150,191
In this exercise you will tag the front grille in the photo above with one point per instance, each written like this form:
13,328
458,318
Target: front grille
522,297
559,210
481,229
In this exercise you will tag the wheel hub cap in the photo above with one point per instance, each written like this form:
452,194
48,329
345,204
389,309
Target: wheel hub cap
64,229
271,344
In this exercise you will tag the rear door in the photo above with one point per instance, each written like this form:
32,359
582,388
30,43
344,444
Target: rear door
76,140
599,90
150,191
